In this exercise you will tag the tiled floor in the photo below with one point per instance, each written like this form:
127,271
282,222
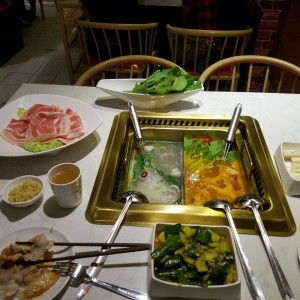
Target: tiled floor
42,58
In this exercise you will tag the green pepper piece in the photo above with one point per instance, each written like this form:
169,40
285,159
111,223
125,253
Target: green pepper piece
172,229
218,275
170,274
194,275
172,262
182,278
191,252
203,236
172,243
229,258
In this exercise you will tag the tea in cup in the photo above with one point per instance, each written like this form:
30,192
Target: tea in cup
65,182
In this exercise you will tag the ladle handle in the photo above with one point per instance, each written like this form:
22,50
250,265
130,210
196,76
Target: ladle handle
283,285
135,121
252,282
234,122
97,264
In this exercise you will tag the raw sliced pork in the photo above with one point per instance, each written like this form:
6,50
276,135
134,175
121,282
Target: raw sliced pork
44,123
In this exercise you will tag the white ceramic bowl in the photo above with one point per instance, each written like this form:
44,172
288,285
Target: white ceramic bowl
160,289
117,88
15,182
289,179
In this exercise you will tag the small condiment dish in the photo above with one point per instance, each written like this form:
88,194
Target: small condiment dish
284,160
18,182
162,289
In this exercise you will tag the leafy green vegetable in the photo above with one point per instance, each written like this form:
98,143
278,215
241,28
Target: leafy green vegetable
206,152
167,81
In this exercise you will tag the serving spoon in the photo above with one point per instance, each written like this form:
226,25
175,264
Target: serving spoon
140,139
232,129
254,202
96,266
252,282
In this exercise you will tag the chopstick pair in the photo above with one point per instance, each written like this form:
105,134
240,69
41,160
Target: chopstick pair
71,244
104,252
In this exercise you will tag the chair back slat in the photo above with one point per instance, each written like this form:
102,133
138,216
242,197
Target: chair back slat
250,72
266,79
280,80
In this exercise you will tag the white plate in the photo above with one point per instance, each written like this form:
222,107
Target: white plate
89,116
51,234
116,88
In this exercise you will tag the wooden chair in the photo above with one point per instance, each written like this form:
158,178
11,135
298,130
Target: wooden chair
67,13
116,65
102,41
196,49
258,73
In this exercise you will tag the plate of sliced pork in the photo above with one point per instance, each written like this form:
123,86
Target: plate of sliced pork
34,281
44,124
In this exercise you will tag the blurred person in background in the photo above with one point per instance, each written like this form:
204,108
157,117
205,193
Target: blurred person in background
26,16
112,11
214,14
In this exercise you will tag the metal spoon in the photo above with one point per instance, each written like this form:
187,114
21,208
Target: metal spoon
252,282
140,139
254,202
80,274
96,266
137,129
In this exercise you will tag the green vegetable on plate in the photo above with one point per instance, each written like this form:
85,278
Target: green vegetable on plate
166,81
40,146
193,255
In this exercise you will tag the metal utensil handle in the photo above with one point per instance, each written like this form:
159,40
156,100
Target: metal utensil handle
283,285
234,122
135,121
252,282
128,293
97,264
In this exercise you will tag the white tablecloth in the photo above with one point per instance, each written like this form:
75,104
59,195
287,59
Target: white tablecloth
278,115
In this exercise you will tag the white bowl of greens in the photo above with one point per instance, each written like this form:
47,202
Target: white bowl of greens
158,90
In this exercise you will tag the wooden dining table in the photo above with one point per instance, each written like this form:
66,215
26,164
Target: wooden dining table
278,116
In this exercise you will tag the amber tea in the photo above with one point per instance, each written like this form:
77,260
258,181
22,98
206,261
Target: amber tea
65,176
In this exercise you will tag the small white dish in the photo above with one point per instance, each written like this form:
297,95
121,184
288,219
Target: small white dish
117,88
290,181
18,181
158,289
